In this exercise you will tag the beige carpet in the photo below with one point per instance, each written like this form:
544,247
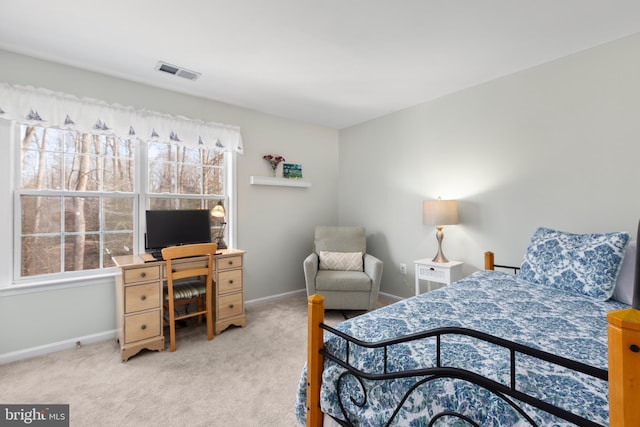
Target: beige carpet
244,377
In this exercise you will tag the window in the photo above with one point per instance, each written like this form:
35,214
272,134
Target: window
78,199
186,177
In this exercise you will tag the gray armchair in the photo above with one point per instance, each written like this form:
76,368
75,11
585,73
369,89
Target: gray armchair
343,289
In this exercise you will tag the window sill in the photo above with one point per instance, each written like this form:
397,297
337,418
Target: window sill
281,182
32,286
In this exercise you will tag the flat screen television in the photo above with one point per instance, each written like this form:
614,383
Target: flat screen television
176,227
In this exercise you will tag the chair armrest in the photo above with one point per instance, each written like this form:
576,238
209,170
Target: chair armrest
373,268
310,266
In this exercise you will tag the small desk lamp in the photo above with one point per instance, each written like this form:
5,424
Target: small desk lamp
440,212
219,212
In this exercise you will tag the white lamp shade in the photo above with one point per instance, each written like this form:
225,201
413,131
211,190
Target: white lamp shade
440,212
218,211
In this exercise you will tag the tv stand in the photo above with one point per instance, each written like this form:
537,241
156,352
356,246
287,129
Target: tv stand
139,296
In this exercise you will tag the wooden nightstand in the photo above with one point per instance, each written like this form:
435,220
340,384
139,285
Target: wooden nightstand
440,272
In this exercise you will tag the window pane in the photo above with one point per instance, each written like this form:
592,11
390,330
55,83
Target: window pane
189,179
213,181
189,204
117,214
40,214
162,204
167,203
81,214
118,164
118,147
40,255
161,176
82,173
191,155
116,245
118,175
161,151
81,252
41,170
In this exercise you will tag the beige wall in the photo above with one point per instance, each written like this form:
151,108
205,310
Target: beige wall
275,224
556,145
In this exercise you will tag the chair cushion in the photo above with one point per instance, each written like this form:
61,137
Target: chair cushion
341,261
347,281
187,289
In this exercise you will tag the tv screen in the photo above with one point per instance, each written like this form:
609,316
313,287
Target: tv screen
176,227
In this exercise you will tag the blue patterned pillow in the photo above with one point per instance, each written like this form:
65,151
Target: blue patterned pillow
587,264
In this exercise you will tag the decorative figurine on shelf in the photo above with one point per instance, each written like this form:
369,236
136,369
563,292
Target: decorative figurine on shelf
274,161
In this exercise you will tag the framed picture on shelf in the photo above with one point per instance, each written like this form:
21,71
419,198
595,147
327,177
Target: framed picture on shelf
291,170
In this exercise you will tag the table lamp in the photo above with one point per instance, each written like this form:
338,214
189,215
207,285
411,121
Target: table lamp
219,212
439,213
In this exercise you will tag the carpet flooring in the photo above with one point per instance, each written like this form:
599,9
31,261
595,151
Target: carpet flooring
244,377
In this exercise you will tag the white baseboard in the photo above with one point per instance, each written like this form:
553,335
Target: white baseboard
274,297
390,296
56,346
103,336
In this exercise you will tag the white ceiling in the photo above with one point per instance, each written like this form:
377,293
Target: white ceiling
331,62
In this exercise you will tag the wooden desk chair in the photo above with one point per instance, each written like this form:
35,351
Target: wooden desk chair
190,283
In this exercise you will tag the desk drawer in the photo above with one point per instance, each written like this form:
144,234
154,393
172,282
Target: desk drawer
141,326
142,274
228,263
229,281
141,297
230,305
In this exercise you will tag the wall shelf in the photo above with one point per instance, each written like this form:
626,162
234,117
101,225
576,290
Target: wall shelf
282,182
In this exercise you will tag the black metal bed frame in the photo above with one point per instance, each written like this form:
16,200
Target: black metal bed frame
505,392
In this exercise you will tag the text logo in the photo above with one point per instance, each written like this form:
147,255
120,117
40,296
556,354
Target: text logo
34,415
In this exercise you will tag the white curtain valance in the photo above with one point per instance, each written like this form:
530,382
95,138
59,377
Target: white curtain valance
43,107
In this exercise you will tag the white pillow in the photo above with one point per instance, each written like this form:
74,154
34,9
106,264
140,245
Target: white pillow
351,261
623,291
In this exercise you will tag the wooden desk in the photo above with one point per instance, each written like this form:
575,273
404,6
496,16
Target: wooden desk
139,298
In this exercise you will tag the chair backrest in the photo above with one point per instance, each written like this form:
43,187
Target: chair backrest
187,251
340,239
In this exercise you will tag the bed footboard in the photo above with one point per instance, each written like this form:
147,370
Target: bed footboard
624,352
315,312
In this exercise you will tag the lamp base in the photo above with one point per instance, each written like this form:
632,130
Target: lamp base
221,244
440,256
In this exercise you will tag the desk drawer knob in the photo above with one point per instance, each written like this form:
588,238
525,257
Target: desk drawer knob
230,305
230,262
143,297
143,274
432,269
143,327
231,282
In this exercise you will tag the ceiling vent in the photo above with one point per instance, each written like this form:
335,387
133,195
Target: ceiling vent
177,71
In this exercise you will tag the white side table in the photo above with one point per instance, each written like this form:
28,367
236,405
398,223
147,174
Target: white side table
440,272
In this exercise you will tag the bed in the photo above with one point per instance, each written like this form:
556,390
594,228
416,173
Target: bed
492,349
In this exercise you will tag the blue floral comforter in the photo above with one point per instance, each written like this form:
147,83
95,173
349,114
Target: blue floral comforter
570,325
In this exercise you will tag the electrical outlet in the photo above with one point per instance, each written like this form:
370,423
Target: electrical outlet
403,268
